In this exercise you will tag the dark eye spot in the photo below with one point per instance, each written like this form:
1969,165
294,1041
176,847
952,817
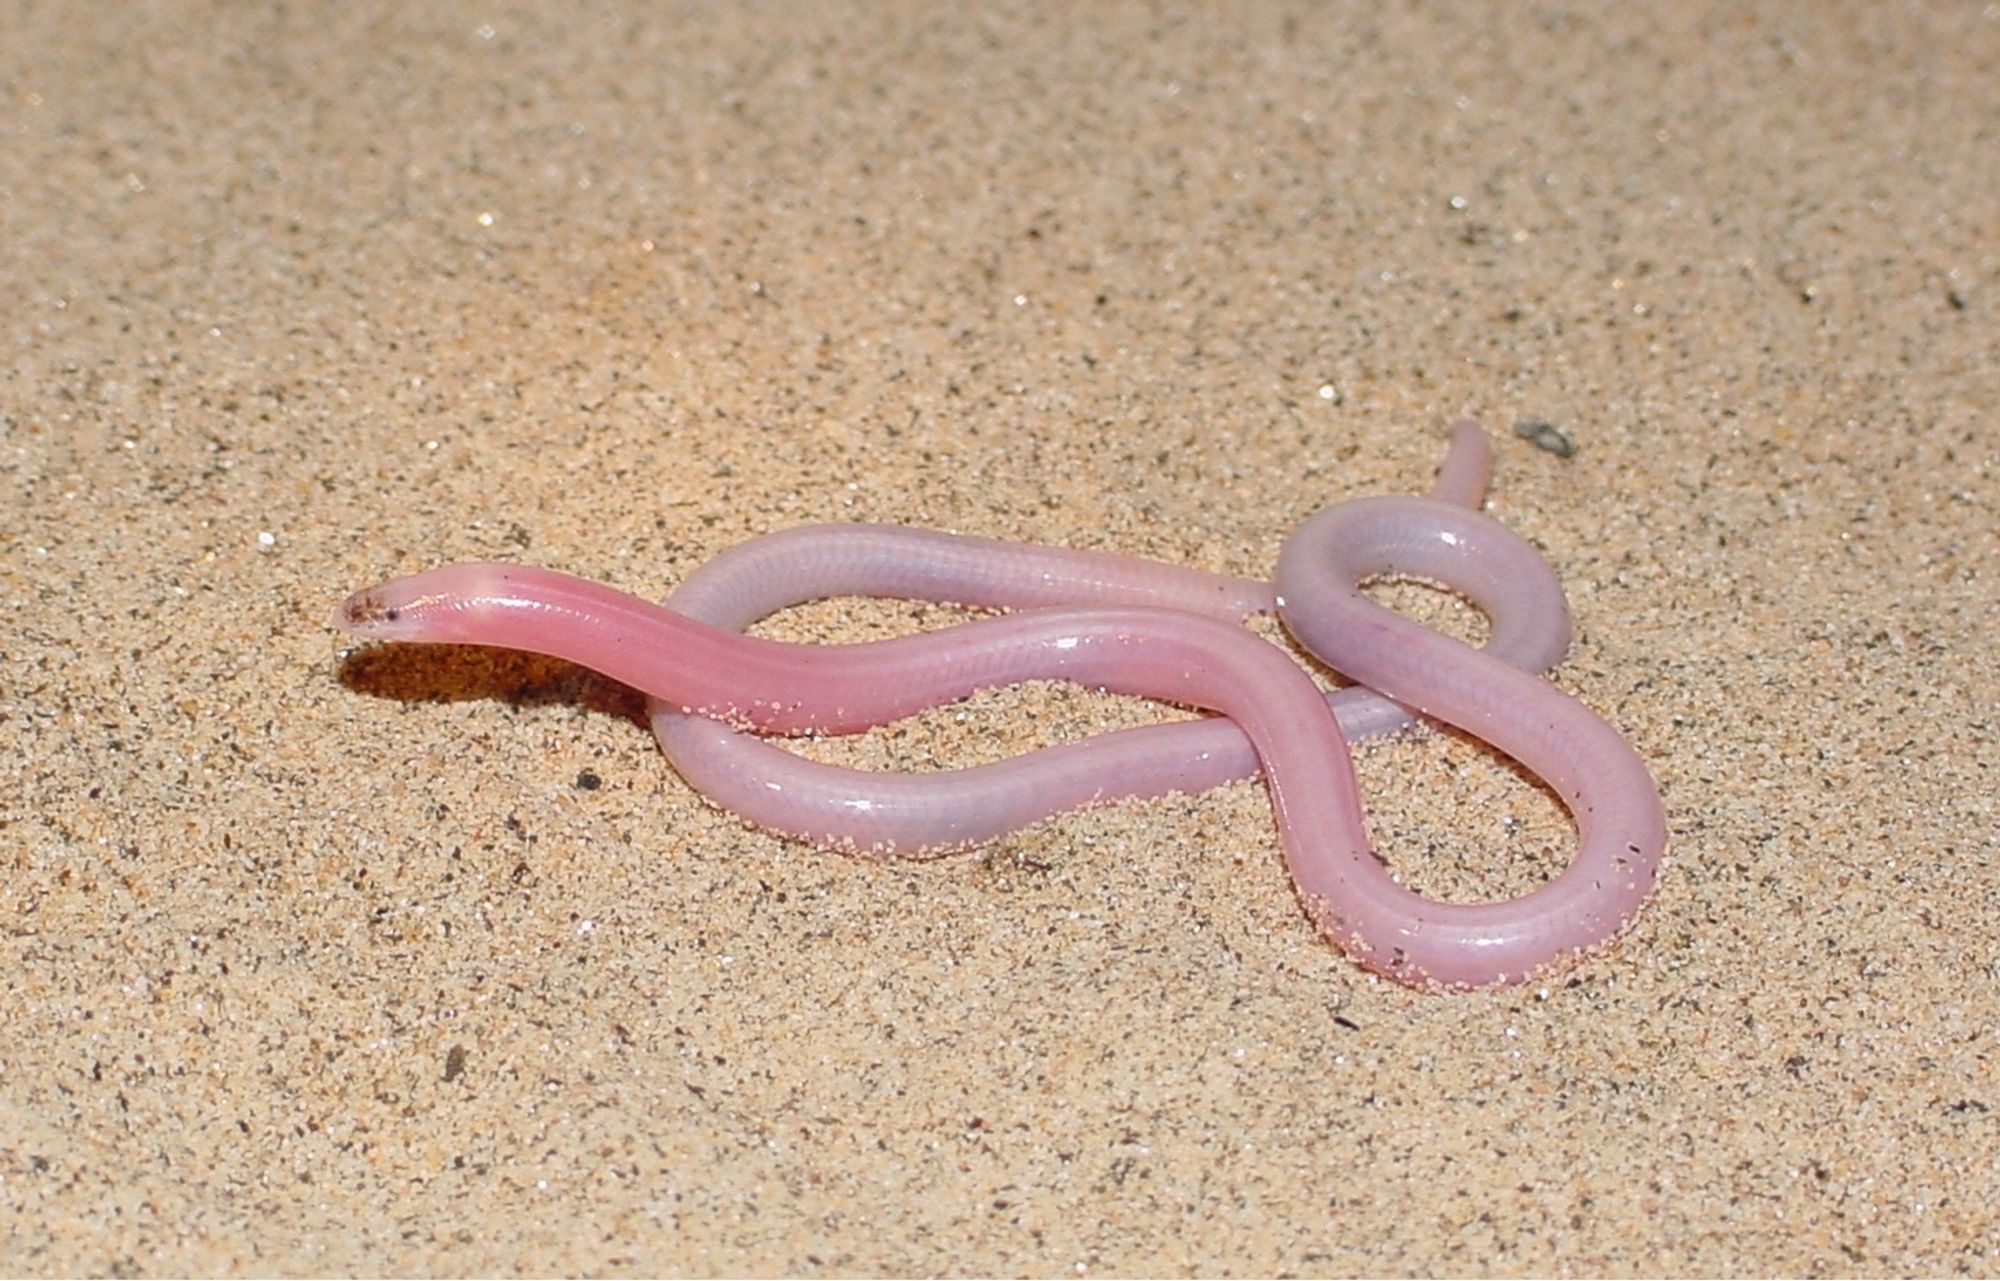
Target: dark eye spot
391,614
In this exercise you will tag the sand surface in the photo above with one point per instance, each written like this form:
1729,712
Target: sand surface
408,960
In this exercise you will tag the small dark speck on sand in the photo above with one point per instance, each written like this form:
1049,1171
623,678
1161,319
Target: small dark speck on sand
1545,435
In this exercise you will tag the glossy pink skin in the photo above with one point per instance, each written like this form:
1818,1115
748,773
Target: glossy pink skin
929,813
1621,829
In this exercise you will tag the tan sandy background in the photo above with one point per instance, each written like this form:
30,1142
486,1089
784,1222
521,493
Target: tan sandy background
418,960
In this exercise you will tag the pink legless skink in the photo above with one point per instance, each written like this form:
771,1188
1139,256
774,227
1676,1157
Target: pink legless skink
1169,653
